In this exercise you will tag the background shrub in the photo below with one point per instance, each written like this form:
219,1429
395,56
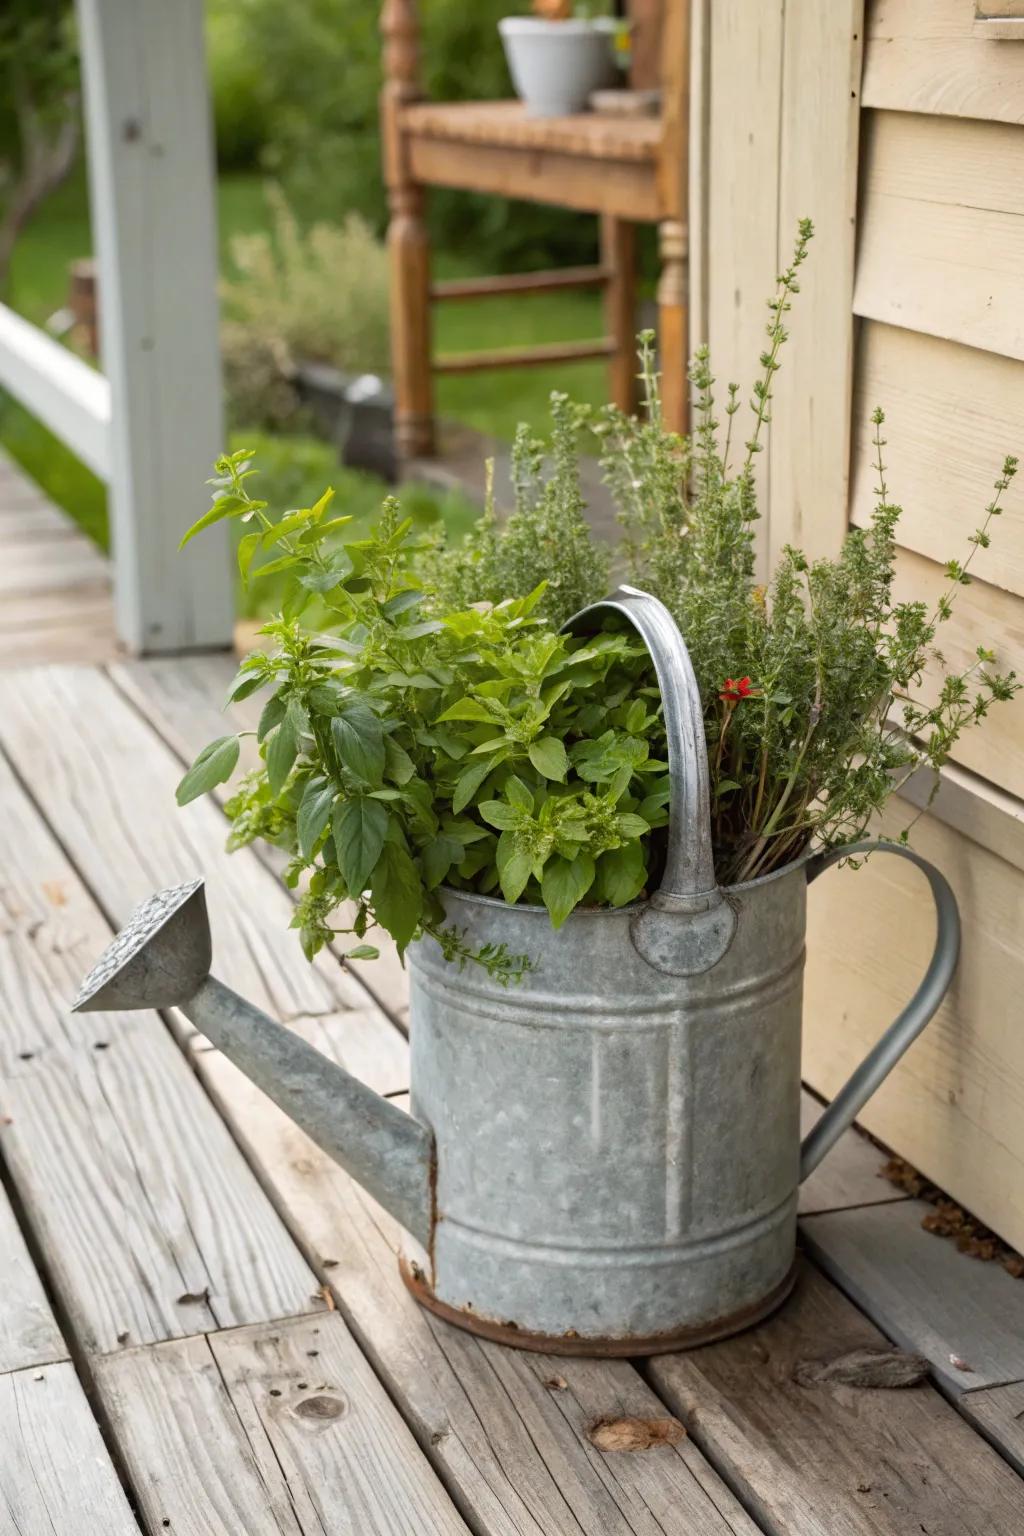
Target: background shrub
236,86
319,293
318,64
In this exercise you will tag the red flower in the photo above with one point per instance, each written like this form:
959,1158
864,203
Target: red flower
736,688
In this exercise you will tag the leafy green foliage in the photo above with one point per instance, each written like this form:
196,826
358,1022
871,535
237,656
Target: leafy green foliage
432,727
293,472
236,88
214,765
38,110
834,717
546,539
406,745
311,294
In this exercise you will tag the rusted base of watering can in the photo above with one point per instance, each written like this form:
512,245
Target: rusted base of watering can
571,1344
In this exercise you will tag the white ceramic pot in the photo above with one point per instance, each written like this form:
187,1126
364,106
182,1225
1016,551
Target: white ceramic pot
556,64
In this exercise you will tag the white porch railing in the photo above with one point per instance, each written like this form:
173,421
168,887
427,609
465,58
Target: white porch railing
68,396
152,426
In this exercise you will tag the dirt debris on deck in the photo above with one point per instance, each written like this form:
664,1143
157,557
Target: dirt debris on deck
950,1220
635,1434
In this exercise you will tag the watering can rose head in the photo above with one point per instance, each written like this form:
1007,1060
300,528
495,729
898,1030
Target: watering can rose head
426,724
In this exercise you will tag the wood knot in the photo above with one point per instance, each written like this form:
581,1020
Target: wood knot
323,1408
866,1368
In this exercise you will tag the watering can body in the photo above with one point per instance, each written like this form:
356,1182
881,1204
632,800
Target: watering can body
604,1158
618,1149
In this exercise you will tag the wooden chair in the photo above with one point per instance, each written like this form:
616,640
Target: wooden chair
625,170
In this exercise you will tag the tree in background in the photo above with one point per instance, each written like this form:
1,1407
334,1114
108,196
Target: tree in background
39,127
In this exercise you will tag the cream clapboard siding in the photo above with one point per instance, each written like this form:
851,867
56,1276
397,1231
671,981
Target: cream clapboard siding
955,1105
941,238
951,411
923,314
924,56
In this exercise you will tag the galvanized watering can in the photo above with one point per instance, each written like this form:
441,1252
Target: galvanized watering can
604,1159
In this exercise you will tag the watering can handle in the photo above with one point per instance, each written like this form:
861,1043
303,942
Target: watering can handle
687,925
879,1062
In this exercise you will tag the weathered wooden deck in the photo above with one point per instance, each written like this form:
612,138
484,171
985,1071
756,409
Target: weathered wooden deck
55,591
202,1327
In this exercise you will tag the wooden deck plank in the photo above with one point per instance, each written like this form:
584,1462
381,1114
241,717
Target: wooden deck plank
925,1294
78,637
513,1451
16,487
18,500
835,1460
183,697
108,783
998,1412
56,1478
50,934
54,582
49,610
219,1437
36,531
59,565
29,1335
848,1176
151,1222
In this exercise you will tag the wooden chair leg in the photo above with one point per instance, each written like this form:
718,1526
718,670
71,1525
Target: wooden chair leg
618,257
673,325
409,251
408,243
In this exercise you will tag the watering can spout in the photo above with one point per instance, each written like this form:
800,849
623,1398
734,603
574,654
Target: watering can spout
162,960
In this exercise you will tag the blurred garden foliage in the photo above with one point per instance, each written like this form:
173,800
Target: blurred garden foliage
38,111
296,84
315,294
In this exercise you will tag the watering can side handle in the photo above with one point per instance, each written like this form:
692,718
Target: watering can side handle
879,1062
687,925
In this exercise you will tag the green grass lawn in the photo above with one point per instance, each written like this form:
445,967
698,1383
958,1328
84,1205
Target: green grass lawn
295,468
498,402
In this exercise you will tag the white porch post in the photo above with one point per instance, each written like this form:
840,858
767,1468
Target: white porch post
152,194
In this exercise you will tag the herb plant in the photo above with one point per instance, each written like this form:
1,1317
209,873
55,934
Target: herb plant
406,746
811,686
432,727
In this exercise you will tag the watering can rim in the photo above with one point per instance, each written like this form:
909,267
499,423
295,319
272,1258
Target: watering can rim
817,858
631,908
